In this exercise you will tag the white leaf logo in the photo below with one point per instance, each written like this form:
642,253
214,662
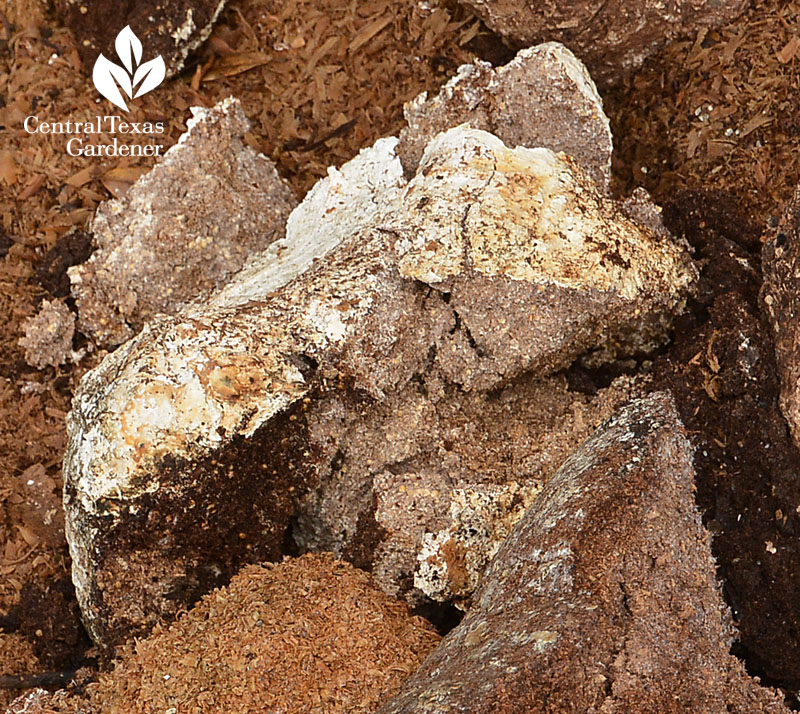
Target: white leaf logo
128,48
109,78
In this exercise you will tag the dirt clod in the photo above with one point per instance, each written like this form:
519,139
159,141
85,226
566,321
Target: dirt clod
48,335
603,598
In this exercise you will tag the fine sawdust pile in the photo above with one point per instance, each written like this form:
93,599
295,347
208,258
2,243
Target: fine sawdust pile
312,634
720,110
16,657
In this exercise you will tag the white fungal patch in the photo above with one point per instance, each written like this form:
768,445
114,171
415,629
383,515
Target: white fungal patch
529,215
349,198
176,389
451,561
184,32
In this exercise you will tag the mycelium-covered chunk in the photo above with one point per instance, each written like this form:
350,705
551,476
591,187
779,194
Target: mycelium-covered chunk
538,267
183,229
603,598
195,446
544,97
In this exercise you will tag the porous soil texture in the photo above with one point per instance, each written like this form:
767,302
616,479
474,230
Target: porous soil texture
708,126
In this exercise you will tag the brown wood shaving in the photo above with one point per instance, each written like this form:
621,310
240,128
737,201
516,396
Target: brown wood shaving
719,111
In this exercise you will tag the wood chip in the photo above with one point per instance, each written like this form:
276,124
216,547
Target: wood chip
117,181
33,185
8,168
232,65
79,178
368,32
755,123
789,50
28,535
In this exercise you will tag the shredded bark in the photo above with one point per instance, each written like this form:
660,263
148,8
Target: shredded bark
718,111
312,635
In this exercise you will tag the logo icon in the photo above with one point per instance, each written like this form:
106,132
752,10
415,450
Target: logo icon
109,77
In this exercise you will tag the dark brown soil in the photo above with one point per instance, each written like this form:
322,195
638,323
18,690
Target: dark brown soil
722,371
71,249
47,616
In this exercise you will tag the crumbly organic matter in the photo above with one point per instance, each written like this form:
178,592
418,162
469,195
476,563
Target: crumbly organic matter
183,229
171,29
193,445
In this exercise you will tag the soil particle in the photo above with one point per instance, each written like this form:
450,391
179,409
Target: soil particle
742,77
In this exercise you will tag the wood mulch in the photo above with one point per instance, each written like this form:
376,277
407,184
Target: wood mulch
720,110
312,634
